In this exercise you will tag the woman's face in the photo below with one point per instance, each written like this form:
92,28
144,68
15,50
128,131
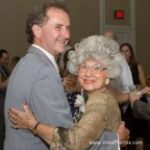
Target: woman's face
92,75
126,52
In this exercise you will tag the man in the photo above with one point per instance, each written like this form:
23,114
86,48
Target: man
124,81
4,74
36,78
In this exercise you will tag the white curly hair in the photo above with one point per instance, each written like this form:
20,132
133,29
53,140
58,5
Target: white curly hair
98,48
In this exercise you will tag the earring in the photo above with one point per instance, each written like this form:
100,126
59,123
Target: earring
107,81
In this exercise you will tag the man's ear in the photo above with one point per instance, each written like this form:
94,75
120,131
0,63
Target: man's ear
36,29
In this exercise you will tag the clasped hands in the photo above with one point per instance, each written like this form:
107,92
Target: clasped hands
136,95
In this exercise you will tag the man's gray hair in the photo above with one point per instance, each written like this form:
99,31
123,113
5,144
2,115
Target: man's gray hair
98,48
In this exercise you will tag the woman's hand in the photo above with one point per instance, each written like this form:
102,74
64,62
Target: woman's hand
22,119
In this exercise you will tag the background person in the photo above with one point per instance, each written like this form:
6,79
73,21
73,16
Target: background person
137,132
71,85
4,71
4,75
124,81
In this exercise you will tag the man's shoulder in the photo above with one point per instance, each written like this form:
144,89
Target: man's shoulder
34,61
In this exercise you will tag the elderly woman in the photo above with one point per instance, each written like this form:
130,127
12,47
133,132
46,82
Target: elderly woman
94,65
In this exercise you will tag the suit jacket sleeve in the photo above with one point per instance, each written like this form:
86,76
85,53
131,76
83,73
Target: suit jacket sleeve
141,110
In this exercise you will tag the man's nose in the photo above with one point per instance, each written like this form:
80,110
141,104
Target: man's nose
66,33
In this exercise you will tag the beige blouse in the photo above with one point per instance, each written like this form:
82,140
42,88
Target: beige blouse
102,113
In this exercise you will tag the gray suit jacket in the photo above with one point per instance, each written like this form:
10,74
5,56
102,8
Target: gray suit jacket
35,80
141,110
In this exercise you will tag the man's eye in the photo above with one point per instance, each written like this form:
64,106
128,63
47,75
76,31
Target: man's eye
68,28
58,27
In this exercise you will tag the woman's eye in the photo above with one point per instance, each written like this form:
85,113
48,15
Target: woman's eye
97,67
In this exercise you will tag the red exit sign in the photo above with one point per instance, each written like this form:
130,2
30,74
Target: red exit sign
119,14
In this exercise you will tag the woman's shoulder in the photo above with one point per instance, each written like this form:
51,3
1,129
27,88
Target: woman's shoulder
102,97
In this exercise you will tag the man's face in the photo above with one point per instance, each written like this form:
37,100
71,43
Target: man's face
4,60
54,35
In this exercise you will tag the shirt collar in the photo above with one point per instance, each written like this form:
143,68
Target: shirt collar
50,56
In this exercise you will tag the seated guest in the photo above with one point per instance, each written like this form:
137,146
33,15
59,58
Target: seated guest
94,66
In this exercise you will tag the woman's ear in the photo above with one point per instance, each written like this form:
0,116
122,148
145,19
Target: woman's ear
107,81
107,77
36,29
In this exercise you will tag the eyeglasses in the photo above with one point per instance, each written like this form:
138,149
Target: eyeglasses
96,68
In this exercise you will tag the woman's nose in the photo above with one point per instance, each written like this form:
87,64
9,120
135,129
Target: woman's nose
89,72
